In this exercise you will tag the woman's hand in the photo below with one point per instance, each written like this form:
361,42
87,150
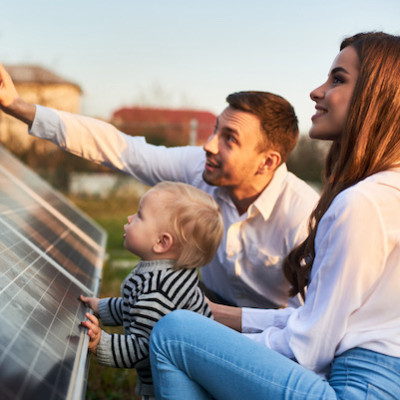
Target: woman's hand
226,315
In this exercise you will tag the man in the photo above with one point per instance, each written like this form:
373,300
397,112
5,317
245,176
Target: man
242,165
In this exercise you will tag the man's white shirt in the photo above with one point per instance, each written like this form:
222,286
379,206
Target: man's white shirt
246,270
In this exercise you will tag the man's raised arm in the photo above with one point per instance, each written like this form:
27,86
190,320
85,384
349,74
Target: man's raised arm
11,103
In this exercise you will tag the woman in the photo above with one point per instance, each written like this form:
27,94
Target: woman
345,341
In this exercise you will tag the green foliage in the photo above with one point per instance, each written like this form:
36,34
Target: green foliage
111,213
106,383
308,158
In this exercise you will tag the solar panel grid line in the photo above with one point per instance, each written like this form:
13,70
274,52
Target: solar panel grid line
43,228
54,245
49,259
31,370
47,192
77,360
17,209
33,373
47,206
43,343
70,204
11,282
46,262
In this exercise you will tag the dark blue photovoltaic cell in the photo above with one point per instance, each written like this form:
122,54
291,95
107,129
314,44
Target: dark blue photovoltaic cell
49,255
39,322
49,233
48,194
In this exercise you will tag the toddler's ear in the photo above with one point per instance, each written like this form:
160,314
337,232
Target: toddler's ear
164,243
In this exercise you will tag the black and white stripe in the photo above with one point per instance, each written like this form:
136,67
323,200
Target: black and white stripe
152,290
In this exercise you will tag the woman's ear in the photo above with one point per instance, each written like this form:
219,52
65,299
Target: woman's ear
164,243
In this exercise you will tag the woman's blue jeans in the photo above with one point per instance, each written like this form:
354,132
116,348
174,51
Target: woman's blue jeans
194,357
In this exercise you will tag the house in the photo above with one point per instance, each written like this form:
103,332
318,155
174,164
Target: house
171,127
37,85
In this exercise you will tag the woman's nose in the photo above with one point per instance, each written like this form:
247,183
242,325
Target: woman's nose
317,93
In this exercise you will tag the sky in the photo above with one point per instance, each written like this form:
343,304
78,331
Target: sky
187,53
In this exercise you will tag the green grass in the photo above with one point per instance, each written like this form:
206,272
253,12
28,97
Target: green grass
106,382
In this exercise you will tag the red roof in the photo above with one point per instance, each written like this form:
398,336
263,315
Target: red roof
148,117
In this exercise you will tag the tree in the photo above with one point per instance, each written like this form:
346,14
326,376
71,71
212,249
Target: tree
308,158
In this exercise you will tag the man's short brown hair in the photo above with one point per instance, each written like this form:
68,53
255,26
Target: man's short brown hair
277,118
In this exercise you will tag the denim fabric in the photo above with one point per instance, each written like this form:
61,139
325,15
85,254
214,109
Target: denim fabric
364,374
194,357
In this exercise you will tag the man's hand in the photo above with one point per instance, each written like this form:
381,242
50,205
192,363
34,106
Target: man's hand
8,93
11,103
94,332
92,302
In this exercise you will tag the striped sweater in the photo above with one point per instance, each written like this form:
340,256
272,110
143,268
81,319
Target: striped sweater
152,290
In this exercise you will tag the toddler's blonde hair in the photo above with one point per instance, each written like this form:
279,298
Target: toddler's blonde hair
195,221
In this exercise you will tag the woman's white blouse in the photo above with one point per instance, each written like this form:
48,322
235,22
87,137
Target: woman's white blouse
353,298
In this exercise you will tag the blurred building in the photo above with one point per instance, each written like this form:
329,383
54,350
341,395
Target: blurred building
39,86
166,126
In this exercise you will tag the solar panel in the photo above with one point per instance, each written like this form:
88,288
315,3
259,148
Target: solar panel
50,253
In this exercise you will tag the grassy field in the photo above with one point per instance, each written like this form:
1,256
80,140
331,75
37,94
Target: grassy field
105,382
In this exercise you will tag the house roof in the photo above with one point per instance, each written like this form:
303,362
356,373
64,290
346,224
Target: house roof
143,116
36,74
158,115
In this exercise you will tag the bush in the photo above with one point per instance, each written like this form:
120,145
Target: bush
308,159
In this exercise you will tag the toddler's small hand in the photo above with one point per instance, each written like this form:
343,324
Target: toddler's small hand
94,332
92,302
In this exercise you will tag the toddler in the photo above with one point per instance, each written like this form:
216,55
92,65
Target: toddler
176,229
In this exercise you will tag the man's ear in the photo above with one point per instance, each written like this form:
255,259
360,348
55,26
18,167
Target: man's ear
270,162
164,243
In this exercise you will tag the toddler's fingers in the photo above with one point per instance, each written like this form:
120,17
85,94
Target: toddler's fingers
83,299
92,335
86,324
93,319
92,330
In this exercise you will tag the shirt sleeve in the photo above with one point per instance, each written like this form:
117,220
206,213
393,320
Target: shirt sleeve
127,350
110,311
350,254
102,143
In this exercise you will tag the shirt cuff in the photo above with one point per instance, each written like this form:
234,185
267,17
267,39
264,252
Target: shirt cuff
45,124
103,352
256,320
104,312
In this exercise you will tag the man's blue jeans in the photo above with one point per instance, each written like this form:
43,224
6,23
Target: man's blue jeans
194,357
